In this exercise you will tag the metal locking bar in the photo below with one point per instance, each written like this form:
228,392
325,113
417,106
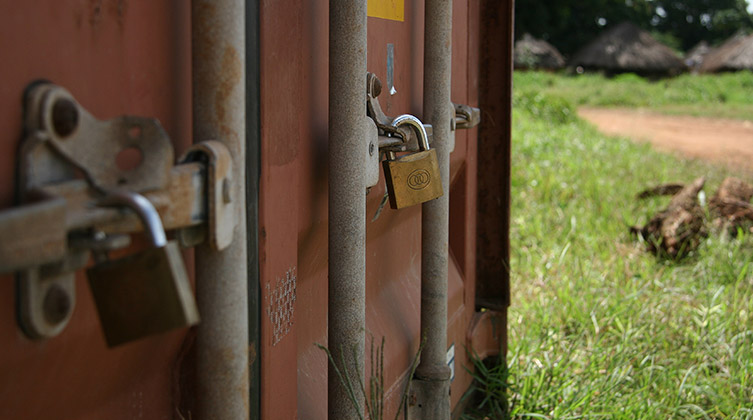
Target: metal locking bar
143,209
57,223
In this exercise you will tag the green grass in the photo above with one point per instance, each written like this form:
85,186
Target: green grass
726,95
598,328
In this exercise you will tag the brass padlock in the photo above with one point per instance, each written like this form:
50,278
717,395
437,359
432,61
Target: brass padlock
147,292
414,178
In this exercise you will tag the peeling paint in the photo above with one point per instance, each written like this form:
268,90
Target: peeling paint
281,305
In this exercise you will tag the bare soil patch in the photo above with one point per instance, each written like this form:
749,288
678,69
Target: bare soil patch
725,141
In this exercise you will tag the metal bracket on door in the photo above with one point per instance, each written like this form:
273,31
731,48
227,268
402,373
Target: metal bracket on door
391,139
466,116
67,161
402,139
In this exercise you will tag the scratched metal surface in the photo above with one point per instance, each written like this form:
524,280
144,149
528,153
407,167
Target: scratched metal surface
120,56
293,205
116,57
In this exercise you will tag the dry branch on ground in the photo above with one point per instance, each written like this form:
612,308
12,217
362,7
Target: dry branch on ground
678,229
730,207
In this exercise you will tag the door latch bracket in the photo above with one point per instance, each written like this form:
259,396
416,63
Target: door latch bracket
68,160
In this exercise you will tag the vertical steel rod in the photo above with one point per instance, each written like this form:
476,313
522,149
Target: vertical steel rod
433,374
347,203
219,112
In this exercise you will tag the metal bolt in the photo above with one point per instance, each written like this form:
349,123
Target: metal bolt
64,117
57,304
226,197
371,148
376,87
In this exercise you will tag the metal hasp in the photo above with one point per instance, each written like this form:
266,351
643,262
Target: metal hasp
58,224
347,206
412,178
76,136
393,138
431,384
219,111
143,293
466,116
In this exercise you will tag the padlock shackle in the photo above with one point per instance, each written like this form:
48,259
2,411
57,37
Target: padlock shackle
407,119
143,208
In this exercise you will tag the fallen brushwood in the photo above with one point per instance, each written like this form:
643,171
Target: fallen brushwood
678,229
730,207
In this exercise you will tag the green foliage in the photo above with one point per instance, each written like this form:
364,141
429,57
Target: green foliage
693,21
571,24
670,40
549,107
374,398
490,390
598,328
723,95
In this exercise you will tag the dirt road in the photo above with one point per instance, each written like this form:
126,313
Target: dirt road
728,142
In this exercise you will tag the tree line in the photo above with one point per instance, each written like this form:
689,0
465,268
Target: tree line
571,24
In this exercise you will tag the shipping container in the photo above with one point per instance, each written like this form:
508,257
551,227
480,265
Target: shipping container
280,268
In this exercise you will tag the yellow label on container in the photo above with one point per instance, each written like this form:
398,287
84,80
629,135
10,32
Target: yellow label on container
387,9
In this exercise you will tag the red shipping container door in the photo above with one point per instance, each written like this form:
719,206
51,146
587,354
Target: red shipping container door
129,57
116,58
293,201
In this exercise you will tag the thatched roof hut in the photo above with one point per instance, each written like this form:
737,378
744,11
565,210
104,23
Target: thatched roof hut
735,54
694,58
532,53
627,48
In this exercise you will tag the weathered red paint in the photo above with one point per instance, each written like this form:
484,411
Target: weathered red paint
128,57
294,147
116,57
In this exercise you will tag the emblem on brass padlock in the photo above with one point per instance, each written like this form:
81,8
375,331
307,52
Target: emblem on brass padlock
147,292
413,178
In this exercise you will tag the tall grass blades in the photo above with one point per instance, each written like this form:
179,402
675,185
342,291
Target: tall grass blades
598,328
374,393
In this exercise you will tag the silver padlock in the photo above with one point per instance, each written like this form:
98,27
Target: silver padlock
143,293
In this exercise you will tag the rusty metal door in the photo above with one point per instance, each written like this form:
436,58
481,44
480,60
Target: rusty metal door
134,57
293,203
116,57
